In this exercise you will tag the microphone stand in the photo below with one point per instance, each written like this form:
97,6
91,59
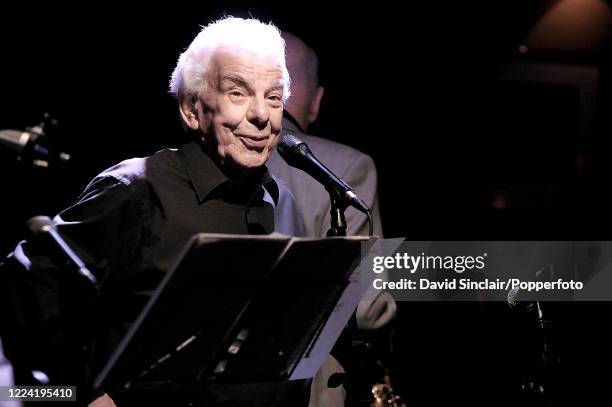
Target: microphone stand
539,384
538,387
351,332
362,351
337,219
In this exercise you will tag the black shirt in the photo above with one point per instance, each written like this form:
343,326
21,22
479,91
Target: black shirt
129,226
141,212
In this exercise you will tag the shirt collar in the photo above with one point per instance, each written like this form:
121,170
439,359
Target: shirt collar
270,187
206,176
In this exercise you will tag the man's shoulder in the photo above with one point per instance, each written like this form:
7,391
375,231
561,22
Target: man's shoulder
139,169
338,157
324,147
127,171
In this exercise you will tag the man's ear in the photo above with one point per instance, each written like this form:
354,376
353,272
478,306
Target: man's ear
189,113
315,104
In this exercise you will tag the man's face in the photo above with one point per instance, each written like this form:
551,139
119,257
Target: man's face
240,111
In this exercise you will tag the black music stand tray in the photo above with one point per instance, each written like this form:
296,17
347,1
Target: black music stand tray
240,309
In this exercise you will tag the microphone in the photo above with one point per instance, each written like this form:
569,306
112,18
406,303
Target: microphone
297,154
523,302
41,225
516,300
30,141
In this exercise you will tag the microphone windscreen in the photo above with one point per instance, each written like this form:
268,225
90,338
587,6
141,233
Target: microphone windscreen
14,139
293,150
38,223
288,140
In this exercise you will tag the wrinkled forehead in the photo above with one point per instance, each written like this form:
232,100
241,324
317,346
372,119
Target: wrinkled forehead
234,57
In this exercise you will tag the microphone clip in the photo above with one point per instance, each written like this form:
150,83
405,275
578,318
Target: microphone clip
337,218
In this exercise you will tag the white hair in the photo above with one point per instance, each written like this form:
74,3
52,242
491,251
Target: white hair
250,35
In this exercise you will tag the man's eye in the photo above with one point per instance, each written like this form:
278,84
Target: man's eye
275,98
236,93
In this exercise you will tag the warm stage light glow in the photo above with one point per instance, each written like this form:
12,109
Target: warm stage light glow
572,25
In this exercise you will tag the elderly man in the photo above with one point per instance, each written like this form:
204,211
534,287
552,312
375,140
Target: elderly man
132,220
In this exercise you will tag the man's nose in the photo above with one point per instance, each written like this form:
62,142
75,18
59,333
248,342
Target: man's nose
258,113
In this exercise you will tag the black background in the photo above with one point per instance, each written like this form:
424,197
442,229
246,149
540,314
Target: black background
415,86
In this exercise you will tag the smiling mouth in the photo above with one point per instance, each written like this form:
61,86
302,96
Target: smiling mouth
254,143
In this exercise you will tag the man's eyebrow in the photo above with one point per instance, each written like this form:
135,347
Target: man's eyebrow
276,87
235,79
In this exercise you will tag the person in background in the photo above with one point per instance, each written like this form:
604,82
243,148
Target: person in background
354,167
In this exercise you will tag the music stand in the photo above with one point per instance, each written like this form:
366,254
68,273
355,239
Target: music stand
240,309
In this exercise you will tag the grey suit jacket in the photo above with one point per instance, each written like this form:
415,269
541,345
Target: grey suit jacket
354,167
